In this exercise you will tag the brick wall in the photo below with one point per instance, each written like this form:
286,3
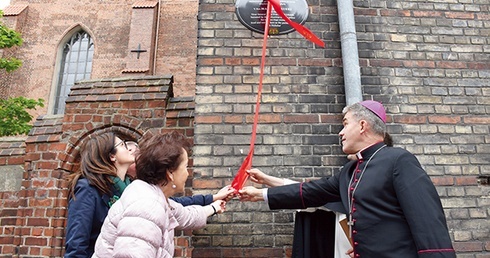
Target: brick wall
12,151
15,19
43,24
301,101
32,218
428,62
177,49
48,21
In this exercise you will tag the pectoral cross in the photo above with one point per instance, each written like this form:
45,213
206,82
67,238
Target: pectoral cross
350,223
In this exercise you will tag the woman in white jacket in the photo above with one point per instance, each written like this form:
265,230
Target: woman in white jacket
142,222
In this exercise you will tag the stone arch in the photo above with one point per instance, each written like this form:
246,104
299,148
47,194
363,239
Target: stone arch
74,145
74,28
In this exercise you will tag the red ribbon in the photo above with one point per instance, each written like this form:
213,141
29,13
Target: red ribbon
242,175
276,4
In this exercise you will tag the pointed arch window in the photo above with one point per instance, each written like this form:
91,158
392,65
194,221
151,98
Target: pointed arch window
76,65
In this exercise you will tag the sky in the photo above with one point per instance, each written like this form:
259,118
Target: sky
4,3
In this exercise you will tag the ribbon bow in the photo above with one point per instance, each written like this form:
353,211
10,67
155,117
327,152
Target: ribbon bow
305,32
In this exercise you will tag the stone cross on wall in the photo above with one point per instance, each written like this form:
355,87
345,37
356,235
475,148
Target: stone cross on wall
138,51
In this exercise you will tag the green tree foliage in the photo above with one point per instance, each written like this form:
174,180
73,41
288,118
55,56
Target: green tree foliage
8,39
14,118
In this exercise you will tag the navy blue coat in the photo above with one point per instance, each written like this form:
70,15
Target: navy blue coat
197,199
86,214
398,212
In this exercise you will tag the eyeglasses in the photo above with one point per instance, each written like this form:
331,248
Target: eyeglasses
132,145
121,142
128,145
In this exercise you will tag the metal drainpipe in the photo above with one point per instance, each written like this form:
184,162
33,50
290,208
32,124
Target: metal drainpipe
350,56
156,38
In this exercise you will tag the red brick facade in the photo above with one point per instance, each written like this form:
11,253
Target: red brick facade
428,62
44,24
34,217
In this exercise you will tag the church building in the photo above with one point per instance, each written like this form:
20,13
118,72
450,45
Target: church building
136,67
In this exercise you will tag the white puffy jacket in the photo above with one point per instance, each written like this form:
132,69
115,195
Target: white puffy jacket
141,223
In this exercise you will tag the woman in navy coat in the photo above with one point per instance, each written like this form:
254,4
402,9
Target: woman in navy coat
99,182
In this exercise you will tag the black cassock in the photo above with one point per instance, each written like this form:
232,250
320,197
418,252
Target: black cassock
314,234
396,210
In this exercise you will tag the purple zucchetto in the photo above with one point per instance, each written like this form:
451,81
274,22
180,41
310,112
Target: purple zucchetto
375,107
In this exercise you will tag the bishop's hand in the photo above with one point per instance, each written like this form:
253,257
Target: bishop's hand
250,194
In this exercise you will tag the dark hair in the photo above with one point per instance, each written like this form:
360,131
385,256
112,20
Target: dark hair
388,140
95,163
159,155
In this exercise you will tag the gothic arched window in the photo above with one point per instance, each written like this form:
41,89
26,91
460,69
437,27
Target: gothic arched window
76,64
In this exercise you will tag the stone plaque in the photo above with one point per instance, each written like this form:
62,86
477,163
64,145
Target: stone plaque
252,14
